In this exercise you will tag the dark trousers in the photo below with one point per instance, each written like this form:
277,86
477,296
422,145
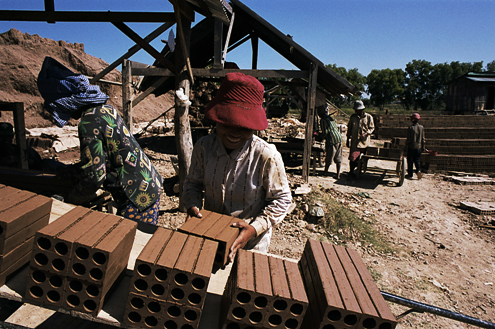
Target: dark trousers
413,158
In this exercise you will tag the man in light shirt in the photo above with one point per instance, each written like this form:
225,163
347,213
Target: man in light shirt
233,171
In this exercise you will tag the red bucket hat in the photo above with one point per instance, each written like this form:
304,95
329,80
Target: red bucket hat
415,116
239,103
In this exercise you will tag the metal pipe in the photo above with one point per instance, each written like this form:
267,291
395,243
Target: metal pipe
436,310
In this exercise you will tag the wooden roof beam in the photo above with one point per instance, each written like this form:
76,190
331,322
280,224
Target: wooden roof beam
85,16
145,45
134,49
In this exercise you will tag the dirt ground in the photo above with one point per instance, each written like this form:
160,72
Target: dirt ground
441,256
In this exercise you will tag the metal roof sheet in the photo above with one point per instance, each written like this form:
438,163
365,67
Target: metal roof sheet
482,79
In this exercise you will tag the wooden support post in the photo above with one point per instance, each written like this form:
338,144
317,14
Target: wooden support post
17,110
183,137
217,44
254,45
308,143
127,93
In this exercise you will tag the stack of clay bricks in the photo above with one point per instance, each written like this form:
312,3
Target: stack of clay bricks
77,259
263,292
215,227
170,279
462,142
22,213
341,291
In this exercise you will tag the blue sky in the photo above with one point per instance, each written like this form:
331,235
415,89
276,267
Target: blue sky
362,34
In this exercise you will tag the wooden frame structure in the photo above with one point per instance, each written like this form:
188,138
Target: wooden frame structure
186,63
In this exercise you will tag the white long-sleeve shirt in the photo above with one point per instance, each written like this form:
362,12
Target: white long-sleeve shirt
249,183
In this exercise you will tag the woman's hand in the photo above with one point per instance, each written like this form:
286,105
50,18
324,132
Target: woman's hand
247,233
193,212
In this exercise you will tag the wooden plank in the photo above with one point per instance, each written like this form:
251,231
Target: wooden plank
85,16
30,316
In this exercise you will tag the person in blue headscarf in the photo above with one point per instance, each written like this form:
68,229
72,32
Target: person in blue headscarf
110,156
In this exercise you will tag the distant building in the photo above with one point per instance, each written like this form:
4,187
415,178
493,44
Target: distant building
473,93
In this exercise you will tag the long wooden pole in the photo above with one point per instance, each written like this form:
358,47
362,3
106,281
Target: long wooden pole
182,127
308,143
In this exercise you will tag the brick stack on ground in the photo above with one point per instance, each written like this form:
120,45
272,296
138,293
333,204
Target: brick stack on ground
170,279
78,258
22,213
263,292
216,227
341,291
463,142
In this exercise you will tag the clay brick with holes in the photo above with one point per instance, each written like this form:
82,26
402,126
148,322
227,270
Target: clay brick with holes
263,291
89,250
108,246
174,267
22,213
215,227
145,312
97,255
341,290
46,288
54,242
174,270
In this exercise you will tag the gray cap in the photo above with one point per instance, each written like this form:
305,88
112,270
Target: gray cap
358,105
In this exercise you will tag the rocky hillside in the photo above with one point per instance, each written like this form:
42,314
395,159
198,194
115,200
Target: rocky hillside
21,57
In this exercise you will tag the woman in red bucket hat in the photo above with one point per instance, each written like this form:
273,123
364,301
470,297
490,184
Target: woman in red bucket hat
233,171
415,144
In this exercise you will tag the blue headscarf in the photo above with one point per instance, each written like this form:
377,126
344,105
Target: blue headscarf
65,92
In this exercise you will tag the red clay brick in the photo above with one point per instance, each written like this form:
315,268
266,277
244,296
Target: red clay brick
263,291
19,216
185,262
45,288
216,227
354,300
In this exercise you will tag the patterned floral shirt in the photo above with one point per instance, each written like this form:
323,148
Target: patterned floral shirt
111,157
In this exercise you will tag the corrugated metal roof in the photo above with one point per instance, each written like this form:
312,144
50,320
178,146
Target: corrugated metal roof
481,79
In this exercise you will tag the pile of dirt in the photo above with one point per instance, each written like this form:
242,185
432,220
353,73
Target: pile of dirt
21,57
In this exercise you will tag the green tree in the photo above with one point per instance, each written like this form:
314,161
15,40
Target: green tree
417,93
490,67
385,86
353,77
